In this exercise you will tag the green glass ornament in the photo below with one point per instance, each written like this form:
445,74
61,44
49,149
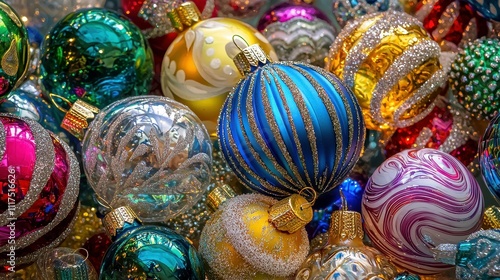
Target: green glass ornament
475,78
14,50
142,252
96,56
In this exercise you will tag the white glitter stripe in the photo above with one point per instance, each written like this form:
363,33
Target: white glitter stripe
67,203
432,84
423,137
446,21
44,165
459,133
371,39
404,64
425,10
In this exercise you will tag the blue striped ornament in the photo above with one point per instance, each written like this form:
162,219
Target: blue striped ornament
287,126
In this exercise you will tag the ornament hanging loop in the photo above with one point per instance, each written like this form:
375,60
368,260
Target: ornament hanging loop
309,204
236,36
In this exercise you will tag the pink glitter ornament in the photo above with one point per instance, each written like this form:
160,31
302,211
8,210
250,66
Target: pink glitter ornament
417,199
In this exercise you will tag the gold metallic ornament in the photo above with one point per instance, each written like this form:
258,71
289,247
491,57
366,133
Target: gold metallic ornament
392,66
198,69
491,218
345,256
239,242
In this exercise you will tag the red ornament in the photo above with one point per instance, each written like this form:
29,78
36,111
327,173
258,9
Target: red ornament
446,129
96,247
451,23
132,9
39,179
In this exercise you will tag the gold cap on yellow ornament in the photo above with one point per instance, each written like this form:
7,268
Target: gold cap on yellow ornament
345,226
218,195
292,213
117,218
249,57
184,16
491,218
76,119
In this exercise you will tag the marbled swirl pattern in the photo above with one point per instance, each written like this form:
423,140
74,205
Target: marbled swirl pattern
417,199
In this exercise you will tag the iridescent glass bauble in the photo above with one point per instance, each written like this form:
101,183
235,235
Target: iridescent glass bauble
97,56
489,157
150,153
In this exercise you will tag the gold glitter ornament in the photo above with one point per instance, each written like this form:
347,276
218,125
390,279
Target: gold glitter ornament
345,256
239,242
491,218
392,66
197,68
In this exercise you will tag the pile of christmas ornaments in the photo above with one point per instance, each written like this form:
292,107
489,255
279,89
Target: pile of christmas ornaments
227,139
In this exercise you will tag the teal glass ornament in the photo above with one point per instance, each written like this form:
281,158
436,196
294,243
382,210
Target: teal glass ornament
96,56
147,252
489,157
14,50
477,257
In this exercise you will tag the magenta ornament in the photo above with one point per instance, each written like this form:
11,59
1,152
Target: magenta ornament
418,199
39,175
286,11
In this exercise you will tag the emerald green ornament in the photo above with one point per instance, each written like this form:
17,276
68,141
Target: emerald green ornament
144,252
14,50
475,78
96,56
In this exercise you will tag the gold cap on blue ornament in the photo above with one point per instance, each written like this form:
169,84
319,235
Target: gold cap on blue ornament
117,218
250,57
184,16
345,226
292,213
219,195
77,118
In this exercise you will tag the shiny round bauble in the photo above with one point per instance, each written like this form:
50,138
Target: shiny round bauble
346,10
331,201
486,8
239,242
96,56
151,252
489,157
97,246
343,262
239,9
474,78
149,153
39,198
445,128
14,50
26,102
43,15
451,23
392,66
298,33
290,106
417,199
198,69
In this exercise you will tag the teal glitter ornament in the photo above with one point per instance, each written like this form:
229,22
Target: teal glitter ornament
95,56
14,50
475,78
288,126
477,257
147,252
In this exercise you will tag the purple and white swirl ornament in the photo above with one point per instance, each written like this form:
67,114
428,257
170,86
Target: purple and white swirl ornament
417,199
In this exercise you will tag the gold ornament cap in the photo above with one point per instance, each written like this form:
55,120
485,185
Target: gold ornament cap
184,16
291,214
345,226
218,195
491,218
117,218
249,58
76,119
